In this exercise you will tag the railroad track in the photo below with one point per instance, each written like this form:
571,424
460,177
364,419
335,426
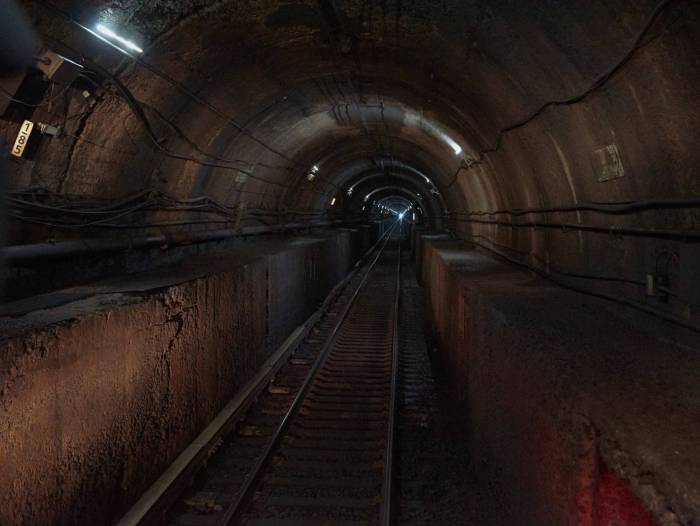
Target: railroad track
311,442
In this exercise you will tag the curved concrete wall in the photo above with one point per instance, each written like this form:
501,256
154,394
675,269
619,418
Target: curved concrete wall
276,88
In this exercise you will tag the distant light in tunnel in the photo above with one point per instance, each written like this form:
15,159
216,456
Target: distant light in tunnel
112,35
312,173
401,216
332,201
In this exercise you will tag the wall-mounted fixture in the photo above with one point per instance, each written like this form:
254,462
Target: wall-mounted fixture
48,129
312,173
608,163
30,85
58,68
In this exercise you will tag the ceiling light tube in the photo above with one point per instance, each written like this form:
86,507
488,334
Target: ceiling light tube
104,30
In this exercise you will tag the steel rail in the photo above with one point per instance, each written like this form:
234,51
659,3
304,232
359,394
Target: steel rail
385,514
155,502
233,511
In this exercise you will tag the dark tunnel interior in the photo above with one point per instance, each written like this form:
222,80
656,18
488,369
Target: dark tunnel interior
190,185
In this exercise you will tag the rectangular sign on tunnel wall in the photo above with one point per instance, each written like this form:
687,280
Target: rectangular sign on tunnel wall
608,164
22,138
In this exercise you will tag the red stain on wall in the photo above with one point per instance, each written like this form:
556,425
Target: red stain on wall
616,505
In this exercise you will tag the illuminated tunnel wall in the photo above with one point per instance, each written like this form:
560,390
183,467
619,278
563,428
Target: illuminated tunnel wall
558,134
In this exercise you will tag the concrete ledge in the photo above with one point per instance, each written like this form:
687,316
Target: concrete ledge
579,414
101,389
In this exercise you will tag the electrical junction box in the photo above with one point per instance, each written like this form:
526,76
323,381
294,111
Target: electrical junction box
48,129
58,68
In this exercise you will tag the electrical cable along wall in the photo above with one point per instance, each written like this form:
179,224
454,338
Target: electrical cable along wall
559,136
566,149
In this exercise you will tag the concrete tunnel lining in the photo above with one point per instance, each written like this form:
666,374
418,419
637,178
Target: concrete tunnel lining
302,98
559,137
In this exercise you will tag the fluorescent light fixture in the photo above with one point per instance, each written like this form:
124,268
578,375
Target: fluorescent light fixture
414,216
123,41
332,201
433,129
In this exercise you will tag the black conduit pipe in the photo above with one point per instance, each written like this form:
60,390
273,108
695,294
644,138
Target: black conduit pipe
680,235
17,255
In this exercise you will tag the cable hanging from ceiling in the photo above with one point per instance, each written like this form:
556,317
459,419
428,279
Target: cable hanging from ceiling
599,82
138,110
177,84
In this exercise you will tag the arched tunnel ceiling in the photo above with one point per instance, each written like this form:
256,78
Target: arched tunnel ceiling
260,91
368,190
543,131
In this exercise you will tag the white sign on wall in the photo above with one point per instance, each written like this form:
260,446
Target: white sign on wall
22,138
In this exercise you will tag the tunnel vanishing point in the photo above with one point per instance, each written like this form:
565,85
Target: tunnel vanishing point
350,262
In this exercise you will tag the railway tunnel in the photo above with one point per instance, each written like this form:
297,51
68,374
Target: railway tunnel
350,262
